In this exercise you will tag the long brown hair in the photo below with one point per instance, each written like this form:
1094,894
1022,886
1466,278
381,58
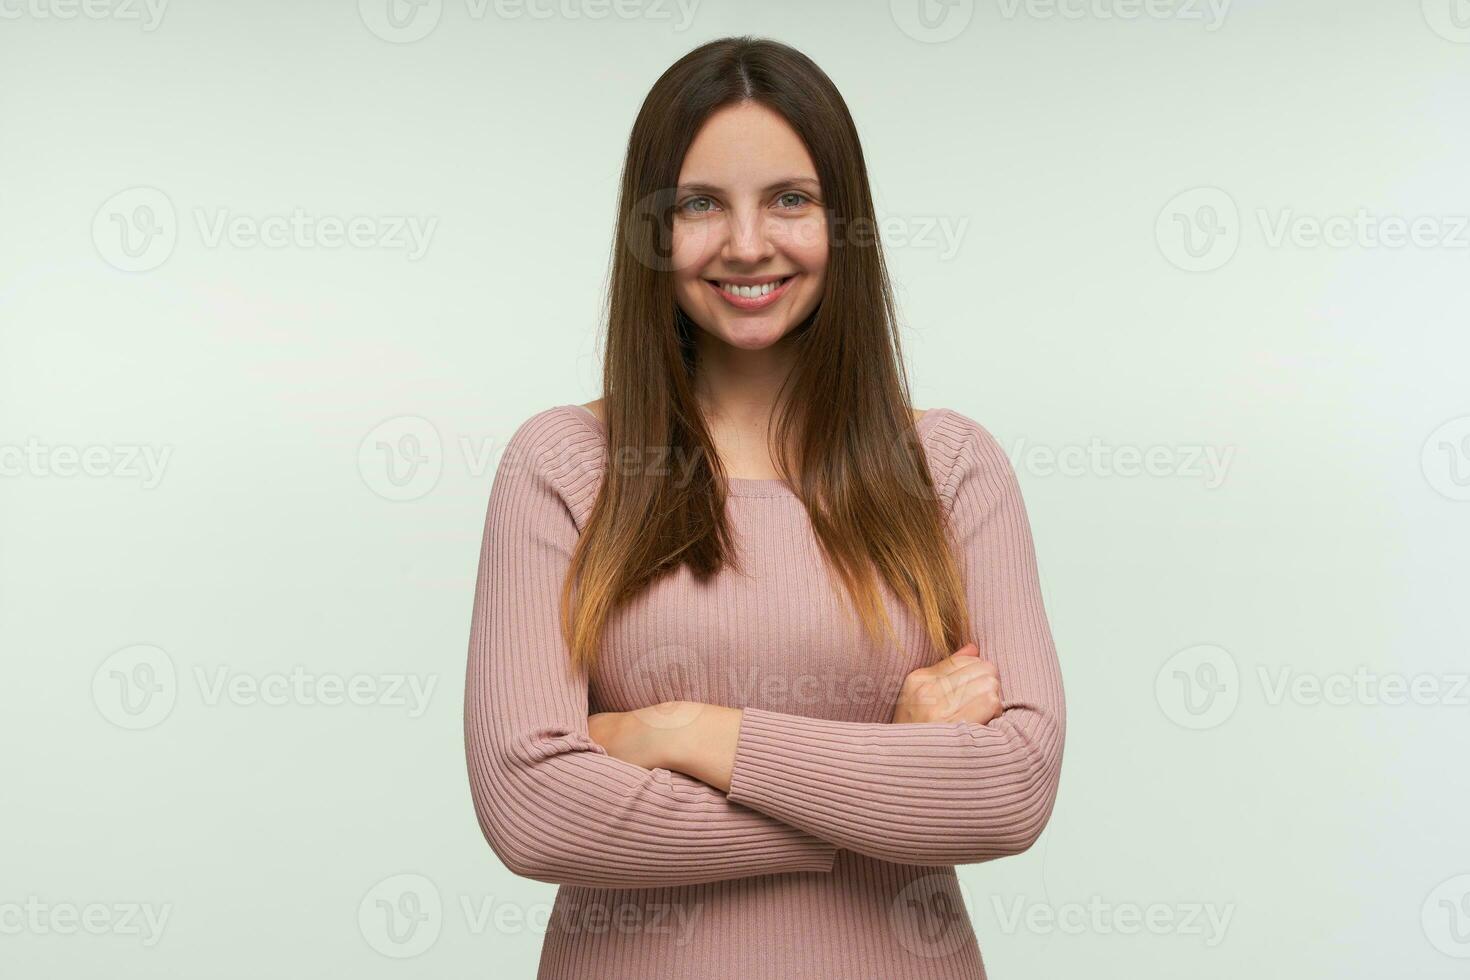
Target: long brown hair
859,466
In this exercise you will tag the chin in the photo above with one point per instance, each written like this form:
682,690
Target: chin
753,339
734,334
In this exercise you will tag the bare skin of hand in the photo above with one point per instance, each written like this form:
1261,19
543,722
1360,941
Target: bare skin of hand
625,736
685,736
961,687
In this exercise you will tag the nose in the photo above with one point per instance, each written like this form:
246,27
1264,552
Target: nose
747,241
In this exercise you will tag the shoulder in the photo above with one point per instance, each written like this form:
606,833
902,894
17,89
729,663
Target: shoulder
558,450
962,451
552,426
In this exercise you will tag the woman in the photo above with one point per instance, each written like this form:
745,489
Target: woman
758,653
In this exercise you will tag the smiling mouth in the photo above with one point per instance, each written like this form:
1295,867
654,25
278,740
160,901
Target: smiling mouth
751,297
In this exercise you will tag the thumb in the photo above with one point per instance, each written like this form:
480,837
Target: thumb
959,658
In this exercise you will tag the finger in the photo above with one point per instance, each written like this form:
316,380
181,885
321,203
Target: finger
951,689
977,685
978,701
964,655
968,667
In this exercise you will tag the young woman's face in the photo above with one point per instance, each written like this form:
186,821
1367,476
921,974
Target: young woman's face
748,210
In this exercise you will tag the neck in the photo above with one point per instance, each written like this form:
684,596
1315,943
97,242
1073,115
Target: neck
738,388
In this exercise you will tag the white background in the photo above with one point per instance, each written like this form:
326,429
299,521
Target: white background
1065,151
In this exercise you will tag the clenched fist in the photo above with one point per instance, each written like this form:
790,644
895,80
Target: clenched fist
961,687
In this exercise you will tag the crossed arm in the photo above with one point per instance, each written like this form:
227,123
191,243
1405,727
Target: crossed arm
742,792
702,740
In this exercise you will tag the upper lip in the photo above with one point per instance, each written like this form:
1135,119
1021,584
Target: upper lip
750,280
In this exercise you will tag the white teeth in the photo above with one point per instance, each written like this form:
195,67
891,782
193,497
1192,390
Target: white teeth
751,292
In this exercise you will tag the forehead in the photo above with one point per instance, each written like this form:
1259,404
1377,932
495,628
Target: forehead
745,145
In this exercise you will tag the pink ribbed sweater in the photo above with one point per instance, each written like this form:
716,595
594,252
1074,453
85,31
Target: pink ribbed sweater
832,855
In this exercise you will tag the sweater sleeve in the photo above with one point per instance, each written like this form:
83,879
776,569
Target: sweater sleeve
936,793
552,803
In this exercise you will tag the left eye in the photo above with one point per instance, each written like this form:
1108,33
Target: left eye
796,194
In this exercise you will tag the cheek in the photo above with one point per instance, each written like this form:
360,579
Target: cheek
692,245
806,243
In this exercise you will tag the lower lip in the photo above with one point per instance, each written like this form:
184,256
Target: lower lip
755,303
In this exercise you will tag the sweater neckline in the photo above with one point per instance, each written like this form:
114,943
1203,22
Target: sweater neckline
739,486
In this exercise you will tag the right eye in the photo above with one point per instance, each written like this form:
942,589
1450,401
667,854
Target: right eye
688,206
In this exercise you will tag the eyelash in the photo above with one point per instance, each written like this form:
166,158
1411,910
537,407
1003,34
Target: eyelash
704,197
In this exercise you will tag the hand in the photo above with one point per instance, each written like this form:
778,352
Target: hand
961,687
682,736
642,737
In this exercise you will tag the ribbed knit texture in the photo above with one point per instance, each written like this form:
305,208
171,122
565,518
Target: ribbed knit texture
832,855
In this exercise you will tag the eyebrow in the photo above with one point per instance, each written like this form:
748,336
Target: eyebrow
703,188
